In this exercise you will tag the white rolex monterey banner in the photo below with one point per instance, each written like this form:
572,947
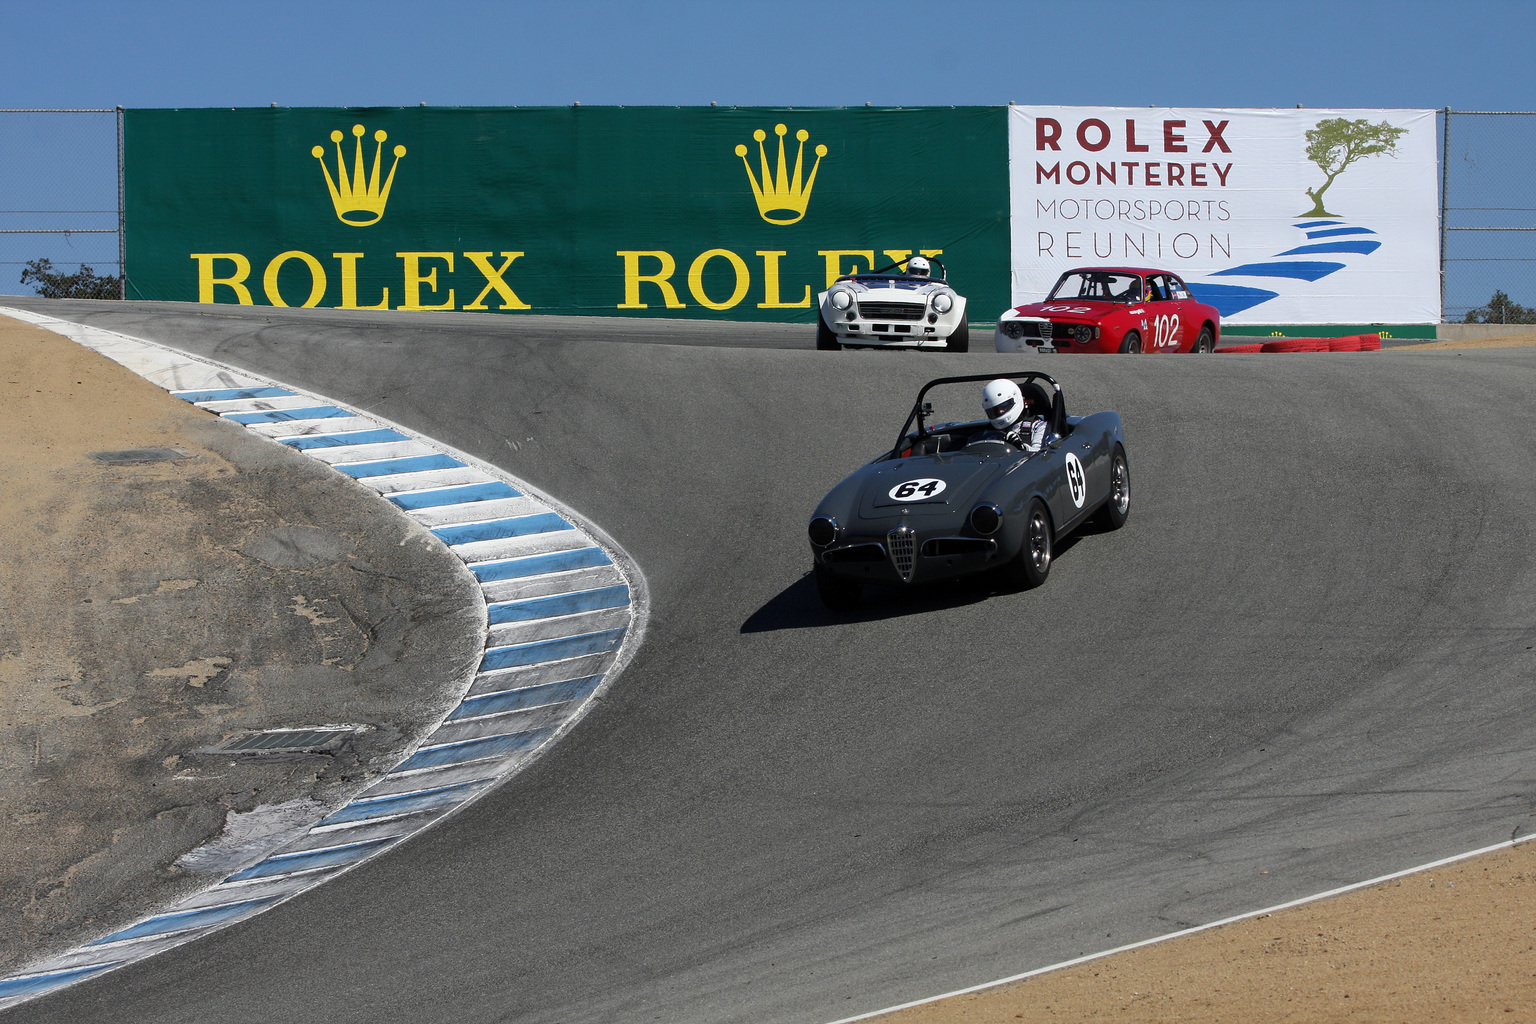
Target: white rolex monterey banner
1271,216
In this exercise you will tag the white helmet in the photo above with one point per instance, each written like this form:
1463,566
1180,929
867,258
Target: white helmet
918,266
1002,403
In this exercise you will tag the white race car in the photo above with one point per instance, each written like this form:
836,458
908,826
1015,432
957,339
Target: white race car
894,308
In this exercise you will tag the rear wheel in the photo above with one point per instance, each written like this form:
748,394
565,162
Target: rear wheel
1029,568
826,341
1204,343
1117,507
960,341
836,593
1132,343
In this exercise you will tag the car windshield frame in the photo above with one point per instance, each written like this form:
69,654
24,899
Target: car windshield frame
1106,283
921,411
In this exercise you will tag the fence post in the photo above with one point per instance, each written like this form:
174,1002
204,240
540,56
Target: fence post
1445,184
122,238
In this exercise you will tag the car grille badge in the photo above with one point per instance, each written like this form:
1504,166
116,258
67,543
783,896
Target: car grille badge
902,544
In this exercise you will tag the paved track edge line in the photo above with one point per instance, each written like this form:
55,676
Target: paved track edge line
1234,919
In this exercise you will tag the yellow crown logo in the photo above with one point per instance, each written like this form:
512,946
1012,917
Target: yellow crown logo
358,200
781,200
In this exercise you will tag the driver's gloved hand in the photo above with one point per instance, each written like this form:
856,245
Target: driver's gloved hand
1014,438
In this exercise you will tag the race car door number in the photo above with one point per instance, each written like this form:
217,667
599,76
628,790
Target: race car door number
1165,330
1077,481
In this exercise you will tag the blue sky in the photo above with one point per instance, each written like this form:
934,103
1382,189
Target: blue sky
1342,53
1470,55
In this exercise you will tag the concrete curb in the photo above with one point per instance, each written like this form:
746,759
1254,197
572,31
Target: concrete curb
566,610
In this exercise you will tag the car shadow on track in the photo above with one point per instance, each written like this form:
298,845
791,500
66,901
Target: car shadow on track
798,607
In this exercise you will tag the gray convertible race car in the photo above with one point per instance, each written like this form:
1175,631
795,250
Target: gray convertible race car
947,500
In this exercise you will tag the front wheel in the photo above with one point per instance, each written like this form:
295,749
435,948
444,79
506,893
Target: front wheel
1132,343
1204,343
838,594
960,341
1117,507
826,340
1029,568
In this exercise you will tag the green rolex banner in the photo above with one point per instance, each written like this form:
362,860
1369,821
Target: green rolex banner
704,212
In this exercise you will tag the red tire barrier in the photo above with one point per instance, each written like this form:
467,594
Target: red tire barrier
1347,343
1296,345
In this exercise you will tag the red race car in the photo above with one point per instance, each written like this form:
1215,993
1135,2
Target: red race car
1112,309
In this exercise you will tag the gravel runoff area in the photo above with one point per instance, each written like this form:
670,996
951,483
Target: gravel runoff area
1455,943
169,581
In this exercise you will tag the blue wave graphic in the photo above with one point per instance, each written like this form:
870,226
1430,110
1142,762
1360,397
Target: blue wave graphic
1230,300
1301,270
1363,246
1329,232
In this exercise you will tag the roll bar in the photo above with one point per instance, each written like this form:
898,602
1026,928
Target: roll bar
943,277
920,411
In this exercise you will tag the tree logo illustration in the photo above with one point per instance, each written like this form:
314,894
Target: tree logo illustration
1337,142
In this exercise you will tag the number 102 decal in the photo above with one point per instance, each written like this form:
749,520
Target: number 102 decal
1165,330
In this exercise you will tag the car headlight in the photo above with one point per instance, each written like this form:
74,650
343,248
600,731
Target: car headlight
986,518
841,299
942,303
823,531
1013,329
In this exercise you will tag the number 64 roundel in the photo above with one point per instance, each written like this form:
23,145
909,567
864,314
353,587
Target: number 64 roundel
917,490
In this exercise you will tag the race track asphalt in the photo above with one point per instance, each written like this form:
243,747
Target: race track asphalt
1307,660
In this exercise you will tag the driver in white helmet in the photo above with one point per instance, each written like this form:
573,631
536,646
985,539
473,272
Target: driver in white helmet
918,266
1016,417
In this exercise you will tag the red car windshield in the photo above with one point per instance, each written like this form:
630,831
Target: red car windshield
1097,284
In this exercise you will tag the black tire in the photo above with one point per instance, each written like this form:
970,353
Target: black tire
826,340
1204,343
838,594
1131,344
960,341
1117,507
1030,567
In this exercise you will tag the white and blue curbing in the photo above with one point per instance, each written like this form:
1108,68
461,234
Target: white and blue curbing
564,612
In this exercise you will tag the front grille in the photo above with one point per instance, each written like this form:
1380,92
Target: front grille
892,310
1024,328
902,543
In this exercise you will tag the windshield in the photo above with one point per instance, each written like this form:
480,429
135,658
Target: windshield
961,403
1097,284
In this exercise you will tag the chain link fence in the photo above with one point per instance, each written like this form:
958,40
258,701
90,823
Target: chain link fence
60,194
1487,216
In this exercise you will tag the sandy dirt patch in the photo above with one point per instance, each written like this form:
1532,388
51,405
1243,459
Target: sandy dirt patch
152,609
1455,944
1525,340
